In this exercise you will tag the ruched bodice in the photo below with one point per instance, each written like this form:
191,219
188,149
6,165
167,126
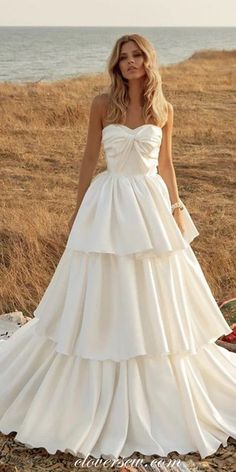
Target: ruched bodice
132,151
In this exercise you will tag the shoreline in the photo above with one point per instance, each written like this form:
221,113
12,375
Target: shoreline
197,55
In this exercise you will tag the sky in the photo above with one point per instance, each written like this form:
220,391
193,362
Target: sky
118,13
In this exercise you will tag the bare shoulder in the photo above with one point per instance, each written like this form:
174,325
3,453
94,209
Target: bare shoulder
98,110
104,98
101,103
170,110
170,107
170,116
101,100
97,102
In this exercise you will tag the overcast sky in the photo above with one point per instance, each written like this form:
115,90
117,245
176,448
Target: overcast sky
118,12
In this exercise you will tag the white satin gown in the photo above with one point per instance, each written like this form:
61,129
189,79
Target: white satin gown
120,355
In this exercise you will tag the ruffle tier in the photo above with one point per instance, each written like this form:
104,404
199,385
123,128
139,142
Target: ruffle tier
100,306
129,214
111,409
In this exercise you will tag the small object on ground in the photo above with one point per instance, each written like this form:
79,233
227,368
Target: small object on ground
10,322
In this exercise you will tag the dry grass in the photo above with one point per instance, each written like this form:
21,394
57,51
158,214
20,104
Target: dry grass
43,135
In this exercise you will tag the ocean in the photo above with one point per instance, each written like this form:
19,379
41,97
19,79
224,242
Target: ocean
50,53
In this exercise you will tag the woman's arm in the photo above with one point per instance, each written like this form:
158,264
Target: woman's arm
165,162
166,166
92,149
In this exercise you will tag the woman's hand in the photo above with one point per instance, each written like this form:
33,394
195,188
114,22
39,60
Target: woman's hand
177,214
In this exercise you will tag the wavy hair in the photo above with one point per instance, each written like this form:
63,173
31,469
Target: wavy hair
155,104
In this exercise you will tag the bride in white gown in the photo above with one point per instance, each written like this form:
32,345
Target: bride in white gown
120,355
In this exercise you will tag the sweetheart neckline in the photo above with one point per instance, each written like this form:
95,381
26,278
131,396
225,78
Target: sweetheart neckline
131,129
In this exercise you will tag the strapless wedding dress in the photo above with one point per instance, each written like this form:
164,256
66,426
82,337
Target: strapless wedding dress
120,355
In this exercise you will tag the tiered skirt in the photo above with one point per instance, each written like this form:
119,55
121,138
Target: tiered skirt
120,355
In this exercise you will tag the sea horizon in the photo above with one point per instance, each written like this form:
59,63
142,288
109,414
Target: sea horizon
50,53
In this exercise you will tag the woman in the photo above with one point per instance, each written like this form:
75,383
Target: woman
120,355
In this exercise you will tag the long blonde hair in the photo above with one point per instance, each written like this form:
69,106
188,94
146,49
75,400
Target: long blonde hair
155,104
